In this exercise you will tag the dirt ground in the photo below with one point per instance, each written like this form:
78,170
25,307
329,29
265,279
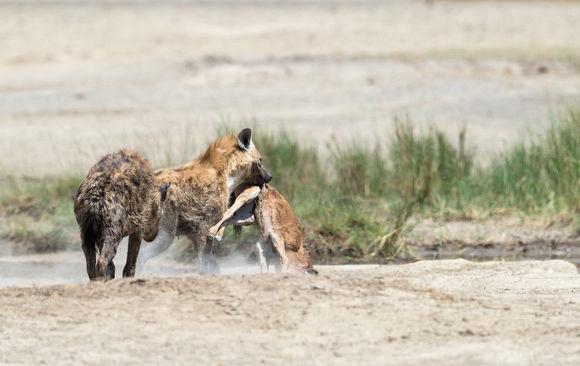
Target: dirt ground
430,313
79,79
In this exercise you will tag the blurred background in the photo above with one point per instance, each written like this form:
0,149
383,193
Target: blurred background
398,129
82,78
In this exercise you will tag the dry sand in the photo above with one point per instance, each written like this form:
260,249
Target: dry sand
429,313
79,79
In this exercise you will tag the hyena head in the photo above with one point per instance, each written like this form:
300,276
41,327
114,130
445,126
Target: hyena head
246,165
157,207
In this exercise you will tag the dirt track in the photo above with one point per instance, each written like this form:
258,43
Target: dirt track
429,313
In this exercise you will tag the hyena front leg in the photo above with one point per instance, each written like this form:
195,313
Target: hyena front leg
207,262
105,265
132,254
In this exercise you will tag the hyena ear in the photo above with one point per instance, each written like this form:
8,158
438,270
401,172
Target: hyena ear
245,139
163,190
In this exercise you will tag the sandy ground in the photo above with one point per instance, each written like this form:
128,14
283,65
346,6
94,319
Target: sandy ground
429,313
79,79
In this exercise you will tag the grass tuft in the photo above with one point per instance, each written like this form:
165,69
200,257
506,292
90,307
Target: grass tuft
542,175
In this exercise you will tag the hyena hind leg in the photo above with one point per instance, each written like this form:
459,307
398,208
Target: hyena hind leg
90,251
110,270
105,265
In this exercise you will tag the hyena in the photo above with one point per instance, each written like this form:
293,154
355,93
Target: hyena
282,235
200,192
118,198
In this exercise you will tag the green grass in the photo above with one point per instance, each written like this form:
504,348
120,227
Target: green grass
541,176
38,213
358,203
355,201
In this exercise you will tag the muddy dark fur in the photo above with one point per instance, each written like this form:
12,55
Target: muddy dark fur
118,198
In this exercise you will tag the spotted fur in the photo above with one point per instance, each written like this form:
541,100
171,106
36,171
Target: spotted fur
201,190
118,198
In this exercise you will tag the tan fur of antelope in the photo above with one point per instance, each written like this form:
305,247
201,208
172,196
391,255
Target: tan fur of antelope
282,237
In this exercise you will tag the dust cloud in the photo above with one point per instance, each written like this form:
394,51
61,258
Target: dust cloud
69,267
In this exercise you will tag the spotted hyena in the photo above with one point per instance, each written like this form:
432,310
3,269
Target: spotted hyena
119,197
200,192
282,235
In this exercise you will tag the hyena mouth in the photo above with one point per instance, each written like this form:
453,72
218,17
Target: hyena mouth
260,174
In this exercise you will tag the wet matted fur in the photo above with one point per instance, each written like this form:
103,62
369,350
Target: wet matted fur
119,197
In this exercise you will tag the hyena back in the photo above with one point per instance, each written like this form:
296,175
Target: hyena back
118,198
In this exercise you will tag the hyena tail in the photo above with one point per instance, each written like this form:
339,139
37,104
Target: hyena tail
92,229
92,236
